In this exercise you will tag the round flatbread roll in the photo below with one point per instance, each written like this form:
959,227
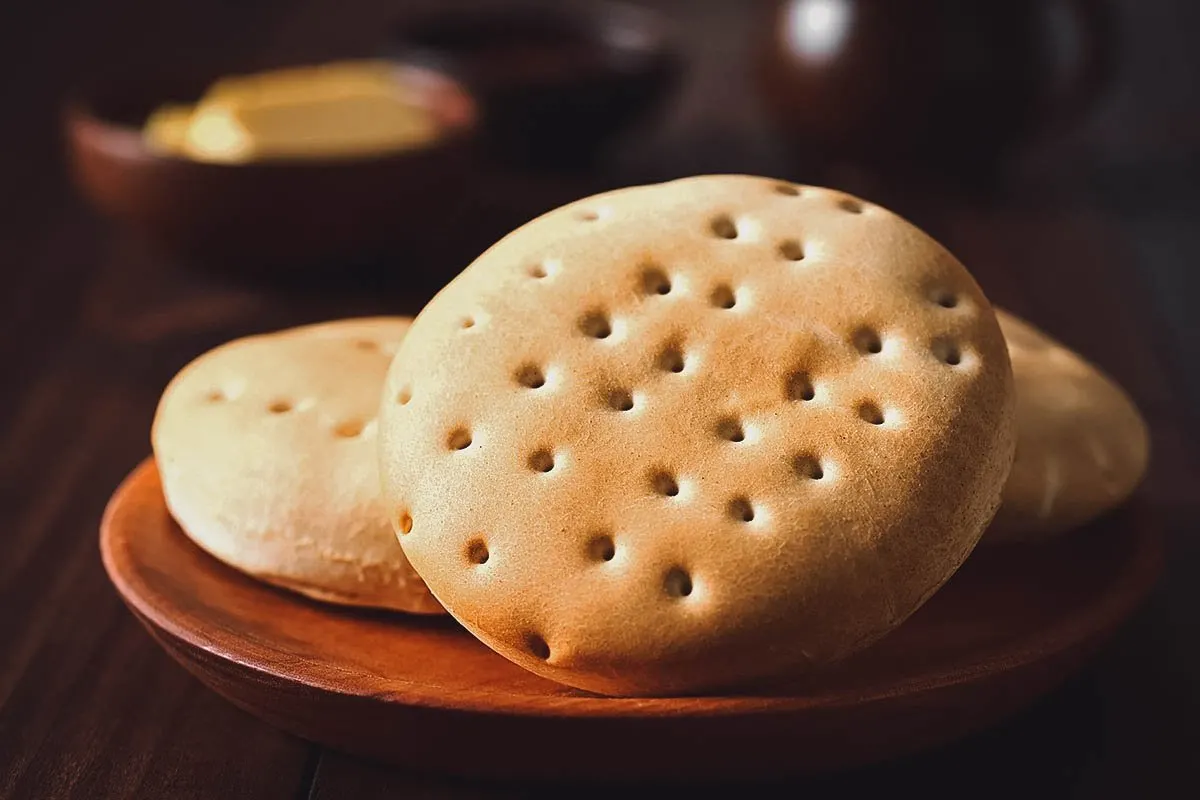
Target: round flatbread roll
683,436
268,453
1082,446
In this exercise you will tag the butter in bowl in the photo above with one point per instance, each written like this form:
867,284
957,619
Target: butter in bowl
287,168
345,109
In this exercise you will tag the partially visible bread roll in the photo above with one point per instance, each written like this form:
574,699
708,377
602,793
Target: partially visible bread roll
267,450
1082,446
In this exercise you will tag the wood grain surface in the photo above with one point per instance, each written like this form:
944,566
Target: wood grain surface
1093,237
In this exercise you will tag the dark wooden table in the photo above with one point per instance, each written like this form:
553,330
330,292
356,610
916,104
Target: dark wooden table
1093,236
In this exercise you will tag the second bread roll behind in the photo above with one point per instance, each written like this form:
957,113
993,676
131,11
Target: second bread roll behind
267,450
1082,445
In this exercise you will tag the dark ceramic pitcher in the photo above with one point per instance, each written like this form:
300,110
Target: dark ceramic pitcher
937,82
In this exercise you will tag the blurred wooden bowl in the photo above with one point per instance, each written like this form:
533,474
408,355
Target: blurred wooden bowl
557,82
269,215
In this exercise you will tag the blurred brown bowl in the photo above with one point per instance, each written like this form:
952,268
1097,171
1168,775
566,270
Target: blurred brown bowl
270,216
559,83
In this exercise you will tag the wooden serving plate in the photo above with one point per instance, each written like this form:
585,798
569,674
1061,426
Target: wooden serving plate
423,693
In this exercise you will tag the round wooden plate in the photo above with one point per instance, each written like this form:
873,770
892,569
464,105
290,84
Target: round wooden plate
423,693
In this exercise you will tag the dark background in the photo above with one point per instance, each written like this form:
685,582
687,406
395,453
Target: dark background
1093,235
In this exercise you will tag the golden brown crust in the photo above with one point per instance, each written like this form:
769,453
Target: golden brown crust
267,451
1082,446
635,443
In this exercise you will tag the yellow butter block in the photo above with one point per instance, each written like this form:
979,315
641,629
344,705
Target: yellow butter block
342,109
166,127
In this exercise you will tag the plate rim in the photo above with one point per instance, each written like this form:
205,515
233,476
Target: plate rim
1129,589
